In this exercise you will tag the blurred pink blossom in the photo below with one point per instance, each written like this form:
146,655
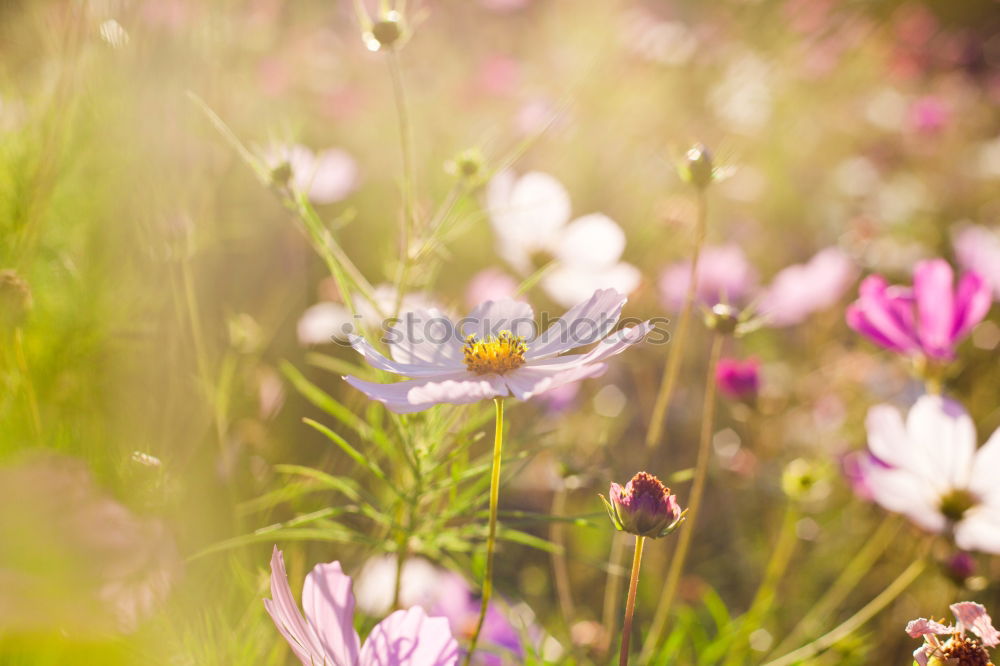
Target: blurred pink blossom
326,634
802,289
326,177
531,219
504,5
327,321
930,318
499,75
724,274
977,248
739,380
489,284
929,115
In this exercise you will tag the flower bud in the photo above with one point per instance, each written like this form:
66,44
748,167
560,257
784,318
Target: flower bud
739,380
723,318
644,507
467,166
805,480
698,168
15,298
386,32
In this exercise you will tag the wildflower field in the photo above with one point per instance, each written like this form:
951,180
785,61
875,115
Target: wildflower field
499,332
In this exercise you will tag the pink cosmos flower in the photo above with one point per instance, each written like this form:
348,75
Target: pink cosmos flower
489,284
929,469
929,115
802,289
326,636
977,249
959,648
927,319
326,177
493,353
738,379
531,220
724,274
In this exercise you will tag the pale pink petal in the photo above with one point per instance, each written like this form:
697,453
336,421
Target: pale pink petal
878,314
380,362
983,481
724,274
978,249
591,241
614,344
920,655
932,286
568,284
887,436
979,530
491,317
973,617
285,613
490,284
425,336
972,302
942,433
903,492
801,289
329,605
416,395
323,322
924,627
525,383
583,324
334,175
410,638
526,214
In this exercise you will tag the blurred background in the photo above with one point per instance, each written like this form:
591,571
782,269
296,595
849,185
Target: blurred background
161,340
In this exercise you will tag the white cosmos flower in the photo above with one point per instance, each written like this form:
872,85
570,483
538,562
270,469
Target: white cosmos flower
326,177
929,469
531,216
325,321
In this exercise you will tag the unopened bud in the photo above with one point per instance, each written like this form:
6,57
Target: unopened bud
698,168
804,480
386,32
644,507
723,319
467,165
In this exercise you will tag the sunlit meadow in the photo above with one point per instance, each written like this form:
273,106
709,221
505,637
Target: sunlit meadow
490,332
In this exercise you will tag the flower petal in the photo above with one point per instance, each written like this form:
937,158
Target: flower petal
410,638
920,655
569,284
972,302
491,317
942,434
283,610
583,324
614,344
932,286
380,362
979,530
425,336
526,213
525,383
591,241
903,492
887,436
924,627
323,322
878,314
416,395
973,617
982,482
329,606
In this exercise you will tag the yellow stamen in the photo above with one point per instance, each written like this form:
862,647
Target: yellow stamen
494,355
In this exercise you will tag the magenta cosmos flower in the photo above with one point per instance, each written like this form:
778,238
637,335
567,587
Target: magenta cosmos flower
959,649
930,318
326,636
738,379
493,353
930,470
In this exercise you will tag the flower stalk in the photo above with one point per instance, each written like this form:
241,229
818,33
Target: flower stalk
491,538
633,585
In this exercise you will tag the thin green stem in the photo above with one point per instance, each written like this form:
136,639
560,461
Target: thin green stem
408,227
560,572
776,566
491,539
671,370
612,589
859,565
694,505
856,621
633,585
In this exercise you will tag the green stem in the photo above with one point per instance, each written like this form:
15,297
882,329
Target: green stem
694,505
778,564
560,572
633,585
408,227
491,539
856,621
859,565
612,589
671,370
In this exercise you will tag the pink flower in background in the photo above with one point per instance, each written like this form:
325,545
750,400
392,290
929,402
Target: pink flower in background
977,248
488,354
326,177
504,5
929,115
326,636
802,289
439,592
930,318
499,75
531,219
327,321
929,469
958,648
489,284
724,275
737,379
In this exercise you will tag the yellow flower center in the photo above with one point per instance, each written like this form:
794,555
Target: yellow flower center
494,355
